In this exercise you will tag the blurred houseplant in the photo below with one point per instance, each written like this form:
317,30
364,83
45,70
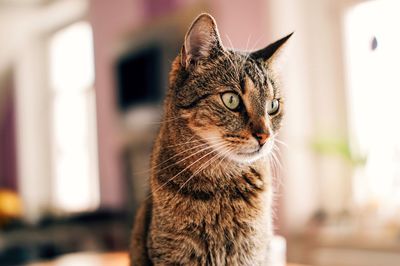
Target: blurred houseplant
337,146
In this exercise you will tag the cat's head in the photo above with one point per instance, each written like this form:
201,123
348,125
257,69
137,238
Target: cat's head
229,98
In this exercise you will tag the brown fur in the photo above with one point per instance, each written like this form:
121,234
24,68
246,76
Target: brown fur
206,206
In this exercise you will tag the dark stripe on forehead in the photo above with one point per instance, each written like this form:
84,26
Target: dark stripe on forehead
243,84
273,85
249,74
268,85
255,73
262,73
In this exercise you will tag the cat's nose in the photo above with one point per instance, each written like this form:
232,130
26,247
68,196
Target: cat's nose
261,137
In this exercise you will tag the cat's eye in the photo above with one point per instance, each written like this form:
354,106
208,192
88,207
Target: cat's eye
231,100
273,107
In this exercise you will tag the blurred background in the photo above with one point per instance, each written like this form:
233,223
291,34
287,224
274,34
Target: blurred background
81,89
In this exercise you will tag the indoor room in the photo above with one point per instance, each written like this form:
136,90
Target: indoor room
82,88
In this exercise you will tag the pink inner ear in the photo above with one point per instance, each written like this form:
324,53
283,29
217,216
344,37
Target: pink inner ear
202,43
201,39
199,42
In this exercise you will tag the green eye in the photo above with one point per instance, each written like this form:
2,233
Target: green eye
272,107
231,100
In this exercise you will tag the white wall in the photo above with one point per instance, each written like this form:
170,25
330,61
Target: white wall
23,43
315,104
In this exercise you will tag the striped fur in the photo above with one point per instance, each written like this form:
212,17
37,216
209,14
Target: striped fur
210,198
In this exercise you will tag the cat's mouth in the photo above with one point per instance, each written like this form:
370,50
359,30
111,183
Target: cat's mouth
251,155
241,153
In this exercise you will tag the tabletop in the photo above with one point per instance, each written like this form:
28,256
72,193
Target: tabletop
94,259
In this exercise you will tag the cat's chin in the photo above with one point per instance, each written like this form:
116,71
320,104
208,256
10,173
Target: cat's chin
246,158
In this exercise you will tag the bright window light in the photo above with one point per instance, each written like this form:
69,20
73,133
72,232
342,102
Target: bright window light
373,61
75,184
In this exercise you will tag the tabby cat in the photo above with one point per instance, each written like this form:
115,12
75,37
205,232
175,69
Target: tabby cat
210,186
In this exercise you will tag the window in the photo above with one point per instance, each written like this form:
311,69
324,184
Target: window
75,183
372,44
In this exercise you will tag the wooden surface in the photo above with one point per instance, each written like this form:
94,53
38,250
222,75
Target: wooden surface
94,259
88,259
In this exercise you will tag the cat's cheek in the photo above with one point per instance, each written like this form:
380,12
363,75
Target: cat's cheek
277,122
201,124
210,136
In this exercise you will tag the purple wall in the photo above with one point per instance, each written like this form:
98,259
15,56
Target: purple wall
8,167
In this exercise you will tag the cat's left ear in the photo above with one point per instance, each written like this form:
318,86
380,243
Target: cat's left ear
201,40
272,52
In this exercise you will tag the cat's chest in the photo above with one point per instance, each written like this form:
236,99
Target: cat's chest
235,235
236,204
231,224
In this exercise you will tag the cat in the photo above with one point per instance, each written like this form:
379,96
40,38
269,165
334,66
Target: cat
210,184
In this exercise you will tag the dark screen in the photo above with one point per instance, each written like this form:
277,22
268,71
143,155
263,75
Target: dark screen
139,77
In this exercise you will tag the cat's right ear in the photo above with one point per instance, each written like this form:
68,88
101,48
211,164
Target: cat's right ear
201,40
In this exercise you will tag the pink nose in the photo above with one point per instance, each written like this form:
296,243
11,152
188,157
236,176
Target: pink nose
261,137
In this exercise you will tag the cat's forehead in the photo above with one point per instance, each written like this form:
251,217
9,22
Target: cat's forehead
249,68
256,83
253,74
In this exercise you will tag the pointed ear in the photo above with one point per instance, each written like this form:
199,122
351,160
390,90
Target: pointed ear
201,40
270,53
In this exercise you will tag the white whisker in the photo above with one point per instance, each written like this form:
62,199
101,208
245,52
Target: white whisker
177,154
205,165
281,142
208,146
248,42
163,121
213,150
229,40
191,141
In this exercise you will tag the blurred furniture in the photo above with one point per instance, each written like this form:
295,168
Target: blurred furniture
95,259
344,250
88,259
22,243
